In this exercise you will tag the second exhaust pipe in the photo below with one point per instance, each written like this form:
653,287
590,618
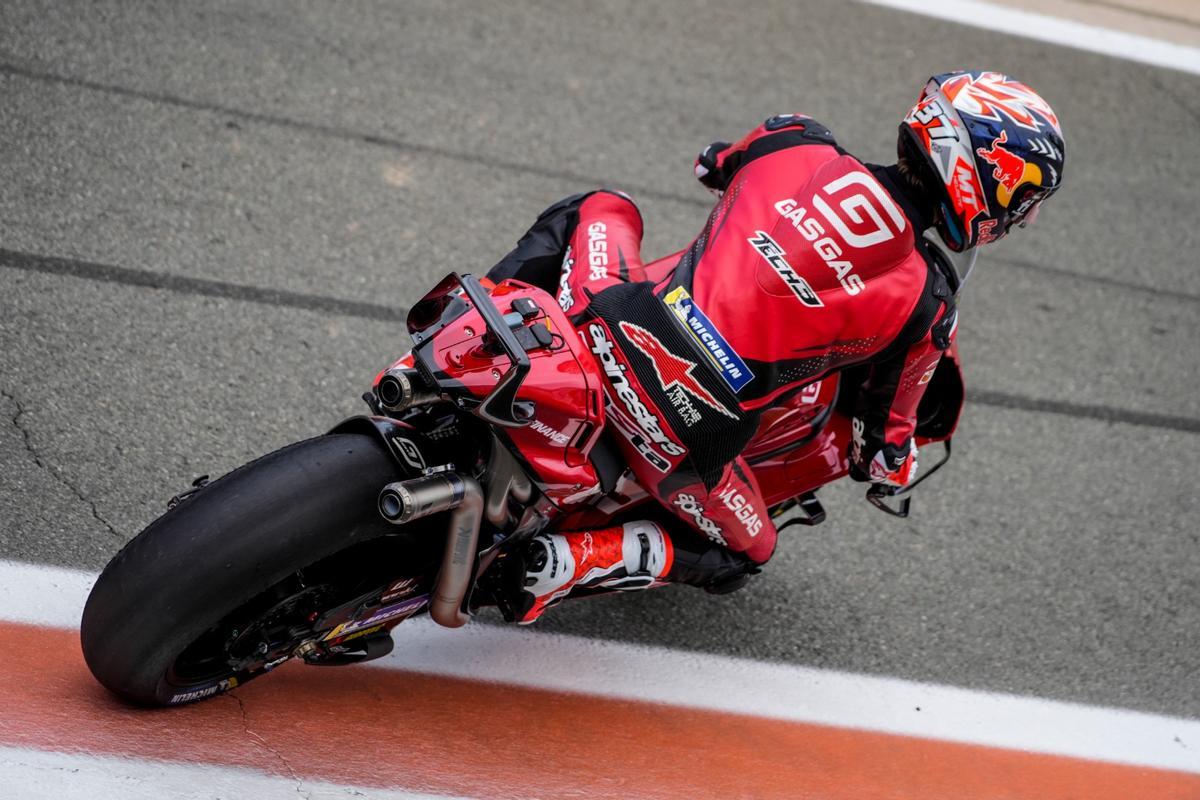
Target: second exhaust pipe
405,501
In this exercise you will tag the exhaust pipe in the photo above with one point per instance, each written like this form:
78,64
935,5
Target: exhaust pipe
401,388
406,501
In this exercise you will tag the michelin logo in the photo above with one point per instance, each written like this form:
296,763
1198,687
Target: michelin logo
728,363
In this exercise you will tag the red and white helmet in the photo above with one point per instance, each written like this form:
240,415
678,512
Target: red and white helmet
994,144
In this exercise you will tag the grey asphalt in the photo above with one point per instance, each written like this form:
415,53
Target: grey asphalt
213,215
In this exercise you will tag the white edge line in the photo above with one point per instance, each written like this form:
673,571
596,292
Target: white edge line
1055,30
50,596
30,774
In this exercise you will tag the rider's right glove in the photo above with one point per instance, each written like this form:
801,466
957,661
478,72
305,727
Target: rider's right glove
889,465
708,169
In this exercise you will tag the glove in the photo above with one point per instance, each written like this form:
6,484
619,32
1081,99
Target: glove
707,170
889,465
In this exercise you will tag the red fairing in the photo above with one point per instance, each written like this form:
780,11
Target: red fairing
563,384
808,467
566,382
784,424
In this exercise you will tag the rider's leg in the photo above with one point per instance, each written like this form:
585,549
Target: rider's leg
586,241
732,513
604,249
636,555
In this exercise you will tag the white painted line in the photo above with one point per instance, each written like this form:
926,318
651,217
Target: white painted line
720,683
40,775
796,694
38,595
1055,30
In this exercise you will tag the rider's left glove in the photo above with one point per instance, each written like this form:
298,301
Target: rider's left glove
708,170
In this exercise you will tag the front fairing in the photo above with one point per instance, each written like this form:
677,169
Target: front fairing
820,453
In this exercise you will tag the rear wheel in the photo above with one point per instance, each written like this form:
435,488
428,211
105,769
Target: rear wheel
227,584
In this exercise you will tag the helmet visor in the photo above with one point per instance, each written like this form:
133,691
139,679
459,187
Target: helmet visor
1026,205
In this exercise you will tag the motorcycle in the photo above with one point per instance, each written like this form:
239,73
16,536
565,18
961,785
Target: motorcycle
491,430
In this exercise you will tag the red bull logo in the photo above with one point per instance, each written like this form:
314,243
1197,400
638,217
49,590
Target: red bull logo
1010,169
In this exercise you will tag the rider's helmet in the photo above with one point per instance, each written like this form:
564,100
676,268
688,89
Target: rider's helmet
993,144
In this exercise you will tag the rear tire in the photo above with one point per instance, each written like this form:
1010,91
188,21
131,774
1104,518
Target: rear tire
219,549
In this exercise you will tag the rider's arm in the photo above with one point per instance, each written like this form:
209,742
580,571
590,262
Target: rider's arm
882,448
719,162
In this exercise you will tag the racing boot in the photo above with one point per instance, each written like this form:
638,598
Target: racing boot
636,555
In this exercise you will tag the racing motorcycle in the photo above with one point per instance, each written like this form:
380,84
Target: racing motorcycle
490,430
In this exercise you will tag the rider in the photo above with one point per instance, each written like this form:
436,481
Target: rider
811,262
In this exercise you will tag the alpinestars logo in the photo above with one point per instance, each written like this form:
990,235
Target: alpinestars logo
649,424
773,254
858,439
672,371
688,504
565,298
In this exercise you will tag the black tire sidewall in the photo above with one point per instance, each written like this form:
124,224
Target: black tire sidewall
220,548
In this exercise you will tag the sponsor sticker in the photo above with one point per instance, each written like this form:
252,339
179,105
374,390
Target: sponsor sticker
684,407
731,366
987,231
689,505
673,372
736,502
400,588
1009,169
773,254
208,691
555,436
809,394
402,609
408,452
646,422
566,299
597,251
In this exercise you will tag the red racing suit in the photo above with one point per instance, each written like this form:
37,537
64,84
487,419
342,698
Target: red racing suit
811,262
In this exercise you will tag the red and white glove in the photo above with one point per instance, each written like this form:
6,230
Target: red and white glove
889,465
708,168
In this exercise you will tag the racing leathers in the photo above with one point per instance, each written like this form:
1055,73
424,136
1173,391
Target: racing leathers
810,262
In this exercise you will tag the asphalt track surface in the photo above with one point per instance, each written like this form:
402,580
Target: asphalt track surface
214,216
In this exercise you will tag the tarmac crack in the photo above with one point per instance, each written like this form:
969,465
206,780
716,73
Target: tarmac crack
262,742
27,438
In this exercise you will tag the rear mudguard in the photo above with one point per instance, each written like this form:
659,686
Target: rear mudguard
408,446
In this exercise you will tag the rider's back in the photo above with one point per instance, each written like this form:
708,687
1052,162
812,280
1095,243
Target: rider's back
808,265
